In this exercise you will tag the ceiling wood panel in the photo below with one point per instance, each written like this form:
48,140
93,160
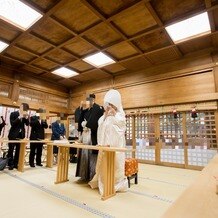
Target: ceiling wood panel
7,32
168,10
114,68
152,41
32,69
79,47
81,66
19,54
102,35
44,5
131,31
136,64
76,16
134,20
114,7
33,44
92,75
45,64
122,50
52,32
195,45
60,56
164,55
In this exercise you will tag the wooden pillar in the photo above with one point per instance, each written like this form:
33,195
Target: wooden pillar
50,156
185,140
15,91
133,136
216,125
157,139
22,156
108,174
63,164
215,74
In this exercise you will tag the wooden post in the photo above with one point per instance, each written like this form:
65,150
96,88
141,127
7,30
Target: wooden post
157,139
15,91
216,125
50,156
133,136
22,156
63,164
108,174
185,140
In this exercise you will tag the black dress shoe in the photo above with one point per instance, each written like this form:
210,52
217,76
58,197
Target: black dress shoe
10,167
32,165
39,165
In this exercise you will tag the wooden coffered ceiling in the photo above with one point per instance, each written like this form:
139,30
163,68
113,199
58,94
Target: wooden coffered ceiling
130,31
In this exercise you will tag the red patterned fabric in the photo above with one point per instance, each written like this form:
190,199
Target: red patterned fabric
131,166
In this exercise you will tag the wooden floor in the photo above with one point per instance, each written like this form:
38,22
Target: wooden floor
34,194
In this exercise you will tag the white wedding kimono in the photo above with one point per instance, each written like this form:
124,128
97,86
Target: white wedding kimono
111,131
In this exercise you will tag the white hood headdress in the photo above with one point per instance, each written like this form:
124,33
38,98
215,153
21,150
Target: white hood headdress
113,97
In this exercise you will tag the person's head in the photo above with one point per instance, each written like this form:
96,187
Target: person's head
113,99
42,113
24,107
58,119
88,103
38,115
92,98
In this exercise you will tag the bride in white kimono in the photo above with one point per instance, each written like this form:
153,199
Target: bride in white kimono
111,132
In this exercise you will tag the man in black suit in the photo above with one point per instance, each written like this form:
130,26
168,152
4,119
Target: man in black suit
2,124
38,124
18,120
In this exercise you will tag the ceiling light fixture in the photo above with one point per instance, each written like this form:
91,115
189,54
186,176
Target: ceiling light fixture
99,60
190,28
18,14
3,46
65,72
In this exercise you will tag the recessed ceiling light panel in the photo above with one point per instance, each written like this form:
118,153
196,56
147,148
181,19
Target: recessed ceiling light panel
190,28
18,14
99,60
3,46
65,72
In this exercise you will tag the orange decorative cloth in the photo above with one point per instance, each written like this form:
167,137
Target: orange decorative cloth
131,166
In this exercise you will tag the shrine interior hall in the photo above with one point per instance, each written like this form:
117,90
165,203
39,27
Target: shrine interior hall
162,57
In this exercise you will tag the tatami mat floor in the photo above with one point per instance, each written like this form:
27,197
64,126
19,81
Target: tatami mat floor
34,194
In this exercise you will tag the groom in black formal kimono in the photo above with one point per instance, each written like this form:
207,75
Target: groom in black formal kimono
96,111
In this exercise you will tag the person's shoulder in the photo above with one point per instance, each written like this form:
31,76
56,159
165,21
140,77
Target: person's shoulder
97,106
15,112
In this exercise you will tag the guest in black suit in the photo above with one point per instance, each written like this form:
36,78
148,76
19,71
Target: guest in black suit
38,124
2,124
18,120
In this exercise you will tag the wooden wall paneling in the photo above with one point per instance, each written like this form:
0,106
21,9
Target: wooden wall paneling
167,91
215,73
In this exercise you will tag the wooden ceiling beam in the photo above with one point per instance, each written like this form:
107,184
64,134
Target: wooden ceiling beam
210,15
116,29
73,80
160,24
